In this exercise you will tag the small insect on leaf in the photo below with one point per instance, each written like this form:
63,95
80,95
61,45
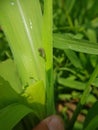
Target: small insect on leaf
42,53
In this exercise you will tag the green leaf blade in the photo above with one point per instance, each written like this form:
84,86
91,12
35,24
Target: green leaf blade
7,94
24,37
9,72
92,116
73,84
12,114
72,56
61,41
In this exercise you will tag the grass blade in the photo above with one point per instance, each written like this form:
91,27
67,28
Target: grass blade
61,41
73,84
83,98
72,56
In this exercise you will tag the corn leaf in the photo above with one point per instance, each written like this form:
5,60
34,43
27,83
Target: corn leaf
23,28
9,72
35,101
35,93
7,94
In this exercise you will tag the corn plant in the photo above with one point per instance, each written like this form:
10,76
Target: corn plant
26,79
30,40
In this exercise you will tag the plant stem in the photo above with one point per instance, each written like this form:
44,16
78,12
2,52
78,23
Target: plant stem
83,98
50,94
48,46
